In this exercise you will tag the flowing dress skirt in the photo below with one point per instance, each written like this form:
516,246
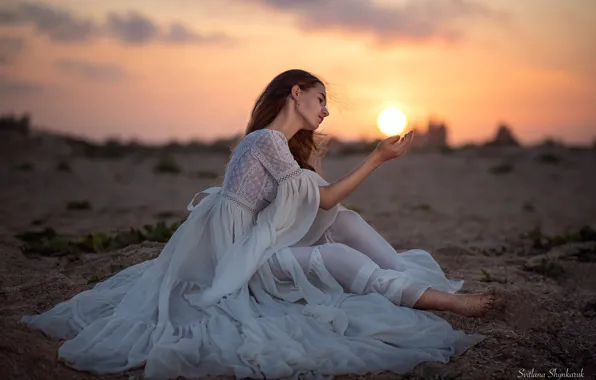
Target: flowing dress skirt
293,291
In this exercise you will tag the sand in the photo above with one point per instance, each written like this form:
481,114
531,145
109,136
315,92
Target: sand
471,208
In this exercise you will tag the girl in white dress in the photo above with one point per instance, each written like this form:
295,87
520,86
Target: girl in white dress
270,276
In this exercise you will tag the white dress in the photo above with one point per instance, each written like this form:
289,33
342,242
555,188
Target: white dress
259,282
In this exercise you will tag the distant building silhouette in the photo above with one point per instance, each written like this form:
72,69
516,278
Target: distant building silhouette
12,123
504,137
435,137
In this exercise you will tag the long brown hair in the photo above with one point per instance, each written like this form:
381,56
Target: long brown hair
305,145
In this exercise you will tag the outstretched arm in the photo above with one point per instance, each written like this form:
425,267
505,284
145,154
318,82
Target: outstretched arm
336,192
388,149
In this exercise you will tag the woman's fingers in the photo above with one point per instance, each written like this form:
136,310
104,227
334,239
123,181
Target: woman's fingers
404,144
395,146
409,138
406,139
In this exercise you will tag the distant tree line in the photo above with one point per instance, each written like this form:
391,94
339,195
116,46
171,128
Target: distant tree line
12,123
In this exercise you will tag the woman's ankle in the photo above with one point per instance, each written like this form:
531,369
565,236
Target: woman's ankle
437,300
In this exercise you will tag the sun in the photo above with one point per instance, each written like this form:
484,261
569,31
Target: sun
392,121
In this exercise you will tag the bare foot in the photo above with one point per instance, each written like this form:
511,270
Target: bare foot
473,305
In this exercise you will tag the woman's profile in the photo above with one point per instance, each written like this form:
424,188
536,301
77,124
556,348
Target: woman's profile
270,276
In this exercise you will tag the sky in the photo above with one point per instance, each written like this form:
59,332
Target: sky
158,71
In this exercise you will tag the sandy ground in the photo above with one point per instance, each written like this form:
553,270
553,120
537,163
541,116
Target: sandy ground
474,221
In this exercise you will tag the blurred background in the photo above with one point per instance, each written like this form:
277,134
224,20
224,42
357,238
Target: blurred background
157,71
114,113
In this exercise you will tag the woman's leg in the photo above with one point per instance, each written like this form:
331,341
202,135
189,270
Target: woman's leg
350,229
358,274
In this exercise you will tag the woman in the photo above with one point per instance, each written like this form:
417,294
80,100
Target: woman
270,276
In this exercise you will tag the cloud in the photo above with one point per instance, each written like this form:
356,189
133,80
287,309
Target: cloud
180,34
93,71
15,87
57,24
412,21
10,47
131,27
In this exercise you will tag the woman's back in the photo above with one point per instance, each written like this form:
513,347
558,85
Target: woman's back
260,161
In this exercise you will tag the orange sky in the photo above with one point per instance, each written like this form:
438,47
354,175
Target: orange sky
110,68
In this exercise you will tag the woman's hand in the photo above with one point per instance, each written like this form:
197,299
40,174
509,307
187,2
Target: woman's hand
393,147
386,150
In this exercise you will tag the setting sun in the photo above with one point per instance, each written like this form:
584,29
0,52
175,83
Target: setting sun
391,121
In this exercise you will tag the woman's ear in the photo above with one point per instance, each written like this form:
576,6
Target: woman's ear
295,91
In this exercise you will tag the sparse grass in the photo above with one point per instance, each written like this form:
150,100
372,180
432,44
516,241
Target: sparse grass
546,267
584,234
422,207
503,168
49,243
78,205
167,165
540,240
46,243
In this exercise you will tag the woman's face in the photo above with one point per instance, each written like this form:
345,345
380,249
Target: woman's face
311,105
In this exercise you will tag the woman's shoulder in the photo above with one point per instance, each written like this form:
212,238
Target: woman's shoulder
266,133
265,138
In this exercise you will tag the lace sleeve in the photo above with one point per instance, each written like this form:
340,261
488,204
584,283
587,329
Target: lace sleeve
272,151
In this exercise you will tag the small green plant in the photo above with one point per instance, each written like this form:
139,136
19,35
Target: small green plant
167,165
540,240
49,243
46,243
422,207
95,242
